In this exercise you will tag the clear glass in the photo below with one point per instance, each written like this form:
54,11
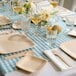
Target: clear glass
6,3
15,6
54,3
51,37
25,23
69,23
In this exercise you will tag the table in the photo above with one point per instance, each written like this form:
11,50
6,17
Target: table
8,66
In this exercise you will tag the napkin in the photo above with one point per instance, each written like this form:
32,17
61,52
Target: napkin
56,61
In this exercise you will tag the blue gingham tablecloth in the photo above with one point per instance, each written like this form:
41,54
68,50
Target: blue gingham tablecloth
7,66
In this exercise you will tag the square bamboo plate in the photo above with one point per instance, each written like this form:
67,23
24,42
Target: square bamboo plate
31,63
13,42
69,47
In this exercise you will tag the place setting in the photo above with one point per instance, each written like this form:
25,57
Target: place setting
31,63
64,56
71,25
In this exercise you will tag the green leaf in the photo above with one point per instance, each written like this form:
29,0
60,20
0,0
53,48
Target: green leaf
53,13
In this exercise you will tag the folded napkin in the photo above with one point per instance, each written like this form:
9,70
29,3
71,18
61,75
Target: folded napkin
56,61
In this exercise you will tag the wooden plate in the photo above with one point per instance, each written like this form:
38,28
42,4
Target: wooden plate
31,63
13,42
4,20
69,47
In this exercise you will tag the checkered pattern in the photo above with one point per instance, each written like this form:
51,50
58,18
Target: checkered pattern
41,45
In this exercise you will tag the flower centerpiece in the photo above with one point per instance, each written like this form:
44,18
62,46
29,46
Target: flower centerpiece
57,28
26,8
52,33
24,12
42,18
29,7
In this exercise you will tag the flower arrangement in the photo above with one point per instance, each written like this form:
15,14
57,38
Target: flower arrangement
57,28
18,9
42,18
26,8
15,2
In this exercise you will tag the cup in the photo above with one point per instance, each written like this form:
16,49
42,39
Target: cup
51,37
54,3
69,23
25,25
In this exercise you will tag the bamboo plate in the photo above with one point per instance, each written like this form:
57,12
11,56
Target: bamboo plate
4,20
13,42
31,63
69,47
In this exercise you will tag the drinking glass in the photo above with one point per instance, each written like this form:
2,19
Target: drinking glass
51,37
25,23
54,3
15,6
6,4
69,23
